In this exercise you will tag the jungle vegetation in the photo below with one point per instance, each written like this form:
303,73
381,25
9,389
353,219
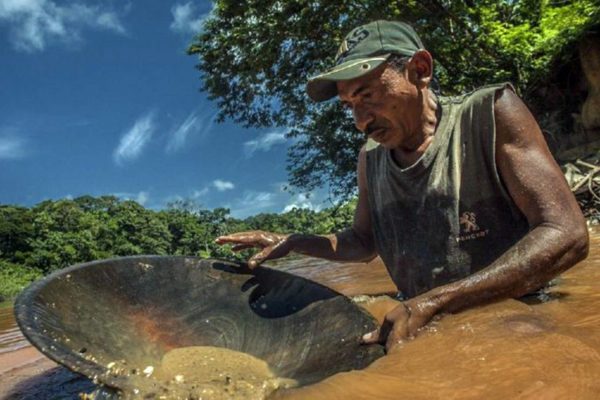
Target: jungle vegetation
51,235
255,57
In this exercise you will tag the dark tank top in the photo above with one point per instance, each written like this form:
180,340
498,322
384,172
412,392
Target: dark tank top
448,215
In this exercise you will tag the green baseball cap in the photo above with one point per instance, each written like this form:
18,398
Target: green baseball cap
364,49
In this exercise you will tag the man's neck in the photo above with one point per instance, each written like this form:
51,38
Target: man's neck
408,154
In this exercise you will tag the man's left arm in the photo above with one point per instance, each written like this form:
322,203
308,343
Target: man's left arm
556,241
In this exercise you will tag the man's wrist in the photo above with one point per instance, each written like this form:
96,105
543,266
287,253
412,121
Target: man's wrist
432,302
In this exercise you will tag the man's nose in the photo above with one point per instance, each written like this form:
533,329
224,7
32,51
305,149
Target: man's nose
362,118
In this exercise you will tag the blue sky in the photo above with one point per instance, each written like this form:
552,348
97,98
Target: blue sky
99,97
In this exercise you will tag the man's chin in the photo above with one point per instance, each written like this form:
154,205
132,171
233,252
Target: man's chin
378,135
382,142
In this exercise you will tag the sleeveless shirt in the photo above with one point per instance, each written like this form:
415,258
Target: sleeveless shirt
449,214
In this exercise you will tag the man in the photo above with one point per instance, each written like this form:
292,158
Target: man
459,196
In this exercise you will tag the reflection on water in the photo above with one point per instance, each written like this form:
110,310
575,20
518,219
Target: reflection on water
507,350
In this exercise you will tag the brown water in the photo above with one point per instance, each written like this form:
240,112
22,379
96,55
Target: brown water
507,350
10,336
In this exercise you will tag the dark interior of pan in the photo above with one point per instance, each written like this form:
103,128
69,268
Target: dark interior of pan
138,308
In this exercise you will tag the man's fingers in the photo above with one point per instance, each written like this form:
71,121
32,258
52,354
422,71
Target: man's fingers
240,237
371,337
379,335
239,247
227,239
272,252
258,258
398,334
395,338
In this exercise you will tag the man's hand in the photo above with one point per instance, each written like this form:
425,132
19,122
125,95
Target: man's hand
273,245
401,323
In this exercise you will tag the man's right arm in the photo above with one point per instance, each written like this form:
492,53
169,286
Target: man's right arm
353,244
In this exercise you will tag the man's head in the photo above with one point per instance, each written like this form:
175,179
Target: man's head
363,50
381,81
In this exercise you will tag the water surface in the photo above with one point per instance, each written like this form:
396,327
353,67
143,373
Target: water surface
10,337
506,350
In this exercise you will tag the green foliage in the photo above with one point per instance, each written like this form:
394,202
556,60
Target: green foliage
14,278
535,35
56,234
255,57
137,230
63,234
15,229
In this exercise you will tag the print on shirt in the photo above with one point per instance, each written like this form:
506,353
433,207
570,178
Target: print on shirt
469,229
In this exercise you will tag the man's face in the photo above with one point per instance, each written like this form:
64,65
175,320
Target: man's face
385,104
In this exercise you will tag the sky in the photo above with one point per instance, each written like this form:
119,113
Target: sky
100,98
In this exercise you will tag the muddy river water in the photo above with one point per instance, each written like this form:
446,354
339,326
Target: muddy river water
507,350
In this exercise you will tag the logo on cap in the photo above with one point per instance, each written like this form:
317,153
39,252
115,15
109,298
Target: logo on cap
350,42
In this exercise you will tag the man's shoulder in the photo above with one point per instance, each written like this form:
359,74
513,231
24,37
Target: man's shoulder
485,92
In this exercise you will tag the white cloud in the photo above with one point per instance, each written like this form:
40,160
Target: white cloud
141,198
196,194
264,142
133,141
35,23
222,186
301,201
110,21
12,147
252,203
195,123
186,19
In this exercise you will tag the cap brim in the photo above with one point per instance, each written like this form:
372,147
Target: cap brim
323,87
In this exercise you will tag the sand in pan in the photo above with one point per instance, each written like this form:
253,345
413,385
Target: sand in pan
214,373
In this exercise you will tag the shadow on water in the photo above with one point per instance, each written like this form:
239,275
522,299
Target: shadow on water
57,383
542,296
550,292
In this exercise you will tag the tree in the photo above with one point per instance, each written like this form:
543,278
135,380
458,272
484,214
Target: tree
255,57
62,234
16,226
137,230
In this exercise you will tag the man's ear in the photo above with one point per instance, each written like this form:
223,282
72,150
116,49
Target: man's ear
420,68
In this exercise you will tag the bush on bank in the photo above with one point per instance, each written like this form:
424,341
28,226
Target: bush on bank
14,278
